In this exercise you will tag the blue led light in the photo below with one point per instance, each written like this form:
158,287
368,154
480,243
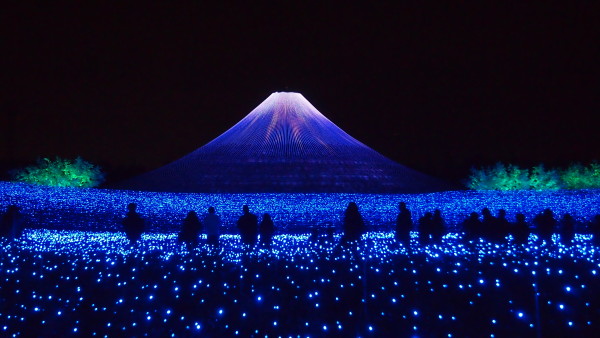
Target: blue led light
95,282
102,210
285,145
108,259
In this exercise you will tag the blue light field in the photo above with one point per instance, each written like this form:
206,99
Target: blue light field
103,209
74,273
62,283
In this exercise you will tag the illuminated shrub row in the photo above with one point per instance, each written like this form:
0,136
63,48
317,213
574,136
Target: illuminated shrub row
103,209
512,177
61,173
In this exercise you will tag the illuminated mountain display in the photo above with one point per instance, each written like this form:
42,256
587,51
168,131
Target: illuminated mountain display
285,145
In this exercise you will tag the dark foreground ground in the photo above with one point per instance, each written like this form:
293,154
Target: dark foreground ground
61,283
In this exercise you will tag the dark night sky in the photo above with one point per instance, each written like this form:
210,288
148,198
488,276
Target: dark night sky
436,87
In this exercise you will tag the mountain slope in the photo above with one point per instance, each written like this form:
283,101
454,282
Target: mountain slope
284,145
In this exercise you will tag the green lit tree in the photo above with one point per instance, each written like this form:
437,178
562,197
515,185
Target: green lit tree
500,177
479,180
578,176
511,177
573,176
542,179
61,173
594,172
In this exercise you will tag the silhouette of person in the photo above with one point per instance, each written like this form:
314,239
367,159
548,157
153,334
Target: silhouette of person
266,229
567,229
502,225
190,229
425,227
438,227
520,229
472,227
545,225
354,225
248,226
12,223
404,224
133,223
488,223
212,222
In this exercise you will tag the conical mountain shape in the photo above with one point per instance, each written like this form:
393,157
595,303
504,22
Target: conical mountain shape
285,145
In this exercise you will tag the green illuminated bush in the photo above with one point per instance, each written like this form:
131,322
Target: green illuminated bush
542,179
61,173
579,177
499,177
511,177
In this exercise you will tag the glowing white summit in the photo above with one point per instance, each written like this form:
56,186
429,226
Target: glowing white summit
285,145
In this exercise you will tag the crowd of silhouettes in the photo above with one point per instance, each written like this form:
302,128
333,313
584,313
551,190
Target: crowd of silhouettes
491,228
192,227
250,229
431,226
496,228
